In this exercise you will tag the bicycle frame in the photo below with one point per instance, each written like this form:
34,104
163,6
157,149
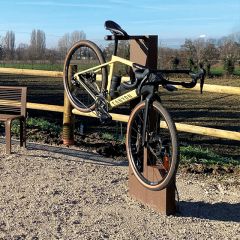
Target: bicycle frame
147,144
111,102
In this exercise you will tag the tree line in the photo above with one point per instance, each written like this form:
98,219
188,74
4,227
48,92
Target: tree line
191,54
36,49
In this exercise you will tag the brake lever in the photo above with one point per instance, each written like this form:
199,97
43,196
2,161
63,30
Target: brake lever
200,75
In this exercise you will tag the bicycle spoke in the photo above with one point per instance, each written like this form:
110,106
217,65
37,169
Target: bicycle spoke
154,163
84,56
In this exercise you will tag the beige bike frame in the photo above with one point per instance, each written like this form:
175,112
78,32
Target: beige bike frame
119,100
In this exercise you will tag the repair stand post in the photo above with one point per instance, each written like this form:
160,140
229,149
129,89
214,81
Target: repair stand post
145,52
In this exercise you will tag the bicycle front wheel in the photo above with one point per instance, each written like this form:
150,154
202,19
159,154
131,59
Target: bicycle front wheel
154,163
84,55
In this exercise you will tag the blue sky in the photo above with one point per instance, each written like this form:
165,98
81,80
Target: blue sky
171,20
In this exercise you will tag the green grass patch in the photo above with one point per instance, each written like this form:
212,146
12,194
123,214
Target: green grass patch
113,137
108,136
43,125
192,154
237,71
35,66
219,71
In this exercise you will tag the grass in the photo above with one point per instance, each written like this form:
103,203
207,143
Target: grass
113,137
37,123
192,154
35,66
43,125
237,71
218,71
108,136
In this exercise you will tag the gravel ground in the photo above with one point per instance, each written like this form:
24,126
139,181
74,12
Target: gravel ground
50,192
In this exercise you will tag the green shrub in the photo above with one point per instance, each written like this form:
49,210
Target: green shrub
43,125
37,123
229,66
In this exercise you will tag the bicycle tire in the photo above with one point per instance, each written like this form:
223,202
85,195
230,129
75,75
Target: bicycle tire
136,152
77,95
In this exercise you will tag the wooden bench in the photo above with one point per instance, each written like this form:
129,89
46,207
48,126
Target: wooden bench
13,106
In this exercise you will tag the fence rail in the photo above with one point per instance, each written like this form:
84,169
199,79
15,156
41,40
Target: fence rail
215,89
31,72
124,118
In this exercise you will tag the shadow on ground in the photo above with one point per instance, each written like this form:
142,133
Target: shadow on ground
221,211
92,157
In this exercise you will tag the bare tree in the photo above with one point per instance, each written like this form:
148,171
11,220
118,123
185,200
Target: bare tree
76,36
195,50
52,55
190,48
230,52
67,40
211,52
200,49
41,43
64,44
1,48
9,44
166,56
22,51
230,49
201,52
123,50
37,44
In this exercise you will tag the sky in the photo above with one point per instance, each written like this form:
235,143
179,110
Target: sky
172,20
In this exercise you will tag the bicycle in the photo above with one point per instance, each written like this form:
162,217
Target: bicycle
151,138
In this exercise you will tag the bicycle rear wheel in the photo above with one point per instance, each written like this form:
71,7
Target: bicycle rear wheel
156,163
84,55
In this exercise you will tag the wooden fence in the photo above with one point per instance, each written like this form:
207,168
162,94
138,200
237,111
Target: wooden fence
124,118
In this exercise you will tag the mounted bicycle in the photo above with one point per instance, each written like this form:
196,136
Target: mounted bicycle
151,138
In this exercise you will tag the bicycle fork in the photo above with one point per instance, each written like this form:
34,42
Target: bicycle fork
148,104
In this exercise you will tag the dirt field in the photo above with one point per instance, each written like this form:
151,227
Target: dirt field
49,192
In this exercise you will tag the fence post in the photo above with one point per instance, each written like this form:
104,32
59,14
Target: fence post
68,117
145,52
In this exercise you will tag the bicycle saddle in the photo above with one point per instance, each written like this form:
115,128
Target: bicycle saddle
114,28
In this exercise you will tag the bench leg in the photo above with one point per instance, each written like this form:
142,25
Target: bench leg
23,133
8,136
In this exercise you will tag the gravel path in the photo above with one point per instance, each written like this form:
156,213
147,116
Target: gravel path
49,192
